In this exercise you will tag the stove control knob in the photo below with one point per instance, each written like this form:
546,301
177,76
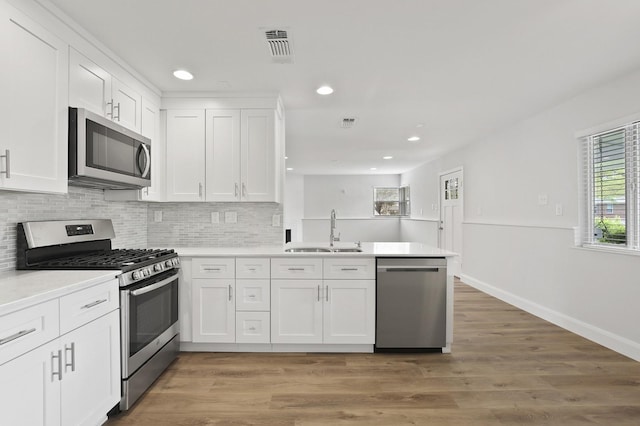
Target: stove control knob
136,275
168,263
146,272
158,267
175,261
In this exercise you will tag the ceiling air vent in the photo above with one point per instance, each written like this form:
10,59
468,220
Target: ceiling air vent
280,46
348,122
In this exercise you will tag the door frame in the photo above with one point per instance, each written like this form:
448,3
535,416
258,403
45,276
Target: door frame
461,198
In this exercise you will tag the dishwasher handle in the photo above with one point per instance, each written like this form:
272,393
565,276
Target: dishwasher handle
409,268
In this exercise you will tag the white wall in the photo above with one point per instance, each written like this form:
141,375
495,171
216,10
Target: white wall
520,250
294,205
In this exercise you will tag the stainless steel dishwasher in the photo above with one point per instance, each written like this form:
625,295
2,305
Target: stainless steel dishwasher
411,303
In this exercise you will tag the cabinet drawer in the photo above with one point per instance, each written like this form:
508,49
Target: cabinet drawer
213,267
253,327
349,268
251,267
310,268
26,329
253,295
81,307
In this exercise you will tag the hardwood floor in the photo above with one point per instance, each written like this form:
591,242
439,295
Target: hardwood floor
507,367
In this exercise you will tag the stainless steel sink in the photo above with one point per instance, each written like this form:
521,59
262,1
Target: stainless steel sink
308,250
323,250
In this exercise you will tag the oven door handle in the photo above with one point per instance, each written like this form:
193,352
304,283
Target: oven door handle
155,286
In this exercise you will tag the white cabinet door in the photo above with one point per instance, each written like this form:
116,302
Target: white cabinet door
296,311
30,391
89,85
223,155
257,148
150,127
91,370
185,155
214,310
349,311
34,113
127,105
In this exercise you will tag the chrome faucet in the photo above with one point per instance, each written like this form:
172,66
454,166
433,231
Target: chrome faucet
332,236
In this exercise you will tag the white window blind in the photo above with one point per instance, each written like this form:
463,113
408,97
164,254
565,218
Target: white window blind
611,165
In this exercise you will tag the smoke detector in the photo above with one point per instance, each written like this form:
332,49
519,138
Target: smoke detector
280,46
348,122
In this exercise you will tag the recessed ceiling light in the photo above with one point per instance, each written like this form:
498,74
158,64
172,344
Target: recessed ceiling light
183,75
324,90
387,157
419,125
373,168
413,139
286,158
289,168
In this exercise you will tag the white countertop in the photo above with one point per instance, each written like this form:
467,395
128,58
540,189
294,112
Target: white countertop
19,289
368,249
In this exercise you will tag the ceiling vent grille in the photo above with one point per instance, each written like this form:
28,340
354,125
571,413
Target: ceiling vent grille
348,122
280,46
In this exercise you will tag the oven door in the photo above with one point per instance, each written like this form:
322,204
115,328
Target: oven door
149,319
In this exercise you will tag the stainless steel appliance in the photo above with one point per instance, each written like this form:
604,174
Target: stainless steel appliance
103,154
411,304
148,290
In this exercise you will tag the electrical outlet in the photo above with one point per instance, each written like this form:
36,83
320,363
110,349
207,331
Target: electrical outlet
215,217
543,199
157,216
230,217
559,210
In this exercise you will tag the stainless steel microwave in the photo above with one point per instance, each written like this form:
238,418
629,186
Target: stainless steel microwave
103,154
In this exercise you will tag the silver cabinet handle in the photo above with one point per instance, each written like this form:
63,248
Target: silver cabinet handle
349,269
211,269
200,189
252,329
59,358
92,304
252,296
244,190
118,108
71,364
318,293
326,289
295,269
17,335
236,190
230,292
110,104
7,158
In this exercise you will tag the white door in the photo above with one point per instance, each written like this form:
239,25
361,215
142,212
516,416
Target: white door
296,311
223,155
30,390
127,105
34,112
257,155
185,155
451,215
349,311
214,310
91,370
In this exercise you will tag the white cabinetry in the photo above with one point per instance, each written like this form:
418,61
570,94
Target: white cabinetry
241,155
33,115
253,300
93,88
213,288
185,155
73,379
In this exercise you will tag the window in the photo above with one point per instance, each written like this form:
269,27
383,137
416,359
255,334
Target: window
611,181
391,201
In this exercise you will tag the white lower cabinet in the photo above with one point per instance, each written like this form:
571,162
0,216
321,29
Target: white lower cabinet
214,310
349,311
296,311
252,327
73,379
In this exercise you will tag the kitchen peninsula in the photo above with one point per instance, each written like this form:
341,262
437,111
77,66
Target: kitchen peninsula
301,297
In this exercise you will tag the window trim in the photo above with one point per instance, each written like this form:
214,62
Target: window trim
404,201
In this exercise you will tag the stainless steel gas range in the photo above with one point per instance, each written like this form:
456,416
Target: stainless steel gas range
148,290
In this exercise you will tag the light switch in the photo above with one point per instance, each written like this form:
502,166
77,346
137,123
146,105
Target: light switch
230,217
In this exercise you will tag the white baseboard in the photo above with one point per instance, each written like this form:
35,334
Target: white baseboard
607,339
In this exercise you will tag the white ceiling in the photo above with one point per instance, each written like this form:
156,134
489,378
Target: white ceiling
462,68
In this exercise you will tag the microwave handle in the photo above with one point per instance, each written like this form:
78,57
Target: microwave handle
147,163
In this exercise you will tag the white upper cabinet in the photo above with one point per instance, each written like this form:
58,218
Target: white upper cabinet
185,155
33,115
93,88
240,155
150,127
